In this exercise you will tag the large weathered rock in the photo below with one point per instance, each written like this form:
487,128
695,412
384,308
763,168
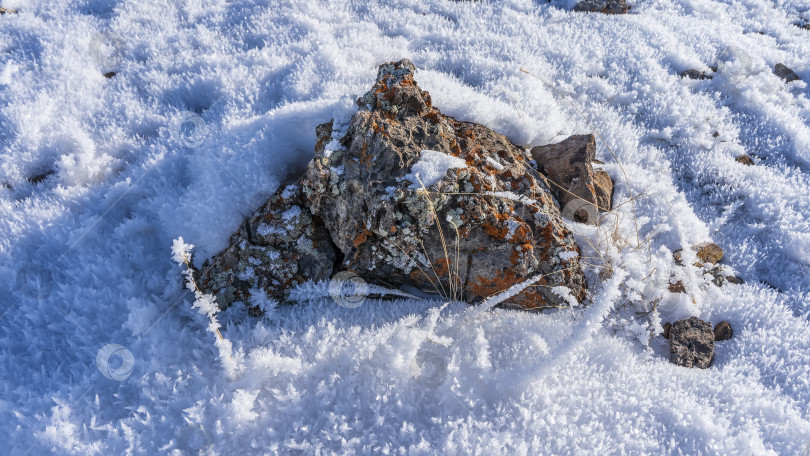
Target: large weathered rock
487,223
602,6
280,246
691,343
568,164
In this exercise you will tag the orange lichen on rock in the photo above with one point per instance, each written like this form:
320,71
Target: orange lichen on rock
529,298
361,238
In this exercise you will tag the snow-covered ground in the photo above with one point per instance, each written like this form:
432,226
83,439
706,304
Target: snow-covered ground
86,260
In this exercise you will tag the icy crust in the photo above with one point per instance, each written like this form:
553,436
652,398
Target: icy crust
499,224
280,246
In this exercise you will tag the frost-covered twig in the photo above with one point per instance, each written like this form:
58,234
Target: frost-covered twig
205,304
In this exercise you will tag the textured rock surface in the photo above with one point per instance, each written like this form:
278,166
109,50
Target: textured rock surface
602,6
568,164
691,343
785,73
280,246
723,331
498,219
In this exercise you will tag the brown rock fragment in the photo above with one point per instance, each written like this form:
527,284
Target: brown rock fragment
723,331
568,165
709,252
745,159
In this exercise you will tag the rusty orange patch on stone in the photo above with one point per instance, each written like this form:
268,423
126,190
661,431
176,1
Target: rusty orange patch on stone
530,298
361,238
365,157
520,253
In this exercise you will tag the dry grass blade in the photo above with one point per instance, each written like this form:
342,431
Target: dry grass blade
424,192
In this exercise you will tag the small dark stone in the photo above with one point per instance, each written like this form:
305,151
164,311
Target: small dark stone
735,280
715,134
691,343
40,177
785,73
602,6
723,331
745,159
677,287
109,75
695,74
678,257
667,329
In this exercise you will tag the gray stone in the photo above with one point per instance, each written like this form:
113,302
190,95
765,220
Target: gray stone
602,6
695,74
280,246
474,233
785,73
691,343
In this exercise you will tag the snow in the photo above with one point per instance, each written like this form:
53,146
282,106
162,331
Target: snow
431,167
104,350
